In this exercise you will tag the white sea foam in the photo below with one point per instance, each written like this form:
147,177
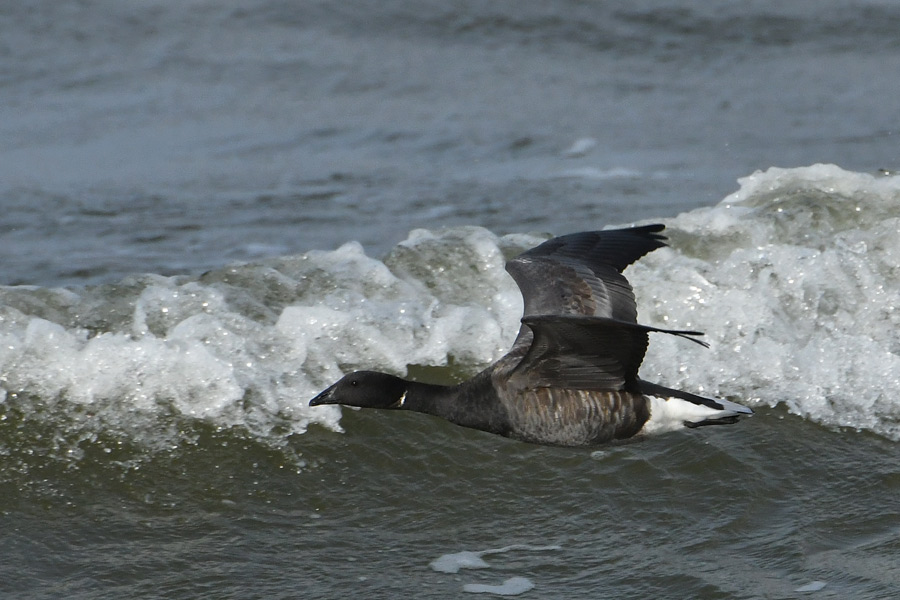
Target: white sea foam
580,147
467,559
454,562
249,345
601,174
812,586
511,587
794,278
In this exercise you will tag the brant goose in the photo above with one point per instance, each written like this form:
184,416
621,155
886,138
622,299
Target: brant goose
571,377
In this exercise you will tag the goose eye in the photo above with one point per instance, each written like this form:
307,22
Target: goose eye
354,382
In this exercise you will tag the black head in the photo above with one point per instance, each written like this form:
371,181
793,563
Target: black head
365,389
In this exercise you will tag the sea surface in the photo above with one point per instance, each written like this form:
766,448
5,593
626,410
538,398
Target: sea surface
213,209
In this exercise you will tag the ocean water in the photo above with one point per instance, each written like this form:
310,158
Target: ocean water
214,209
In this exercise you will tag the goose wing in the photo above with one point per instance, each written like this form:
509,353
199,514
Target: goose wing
585,352
579,328
581,273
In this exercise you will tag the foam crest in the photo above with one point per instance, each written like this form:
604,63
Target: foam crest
249,345
793,278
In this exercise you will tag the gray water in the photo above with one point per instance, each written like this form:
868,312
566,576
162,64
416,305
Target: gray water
168,137
753,511
176,139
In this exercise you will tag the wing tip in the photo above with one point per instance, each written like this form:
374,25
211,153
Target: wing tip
588,320
650,231
688,335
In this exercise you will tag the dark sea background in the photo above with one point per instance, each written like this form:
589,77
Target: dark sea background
213,209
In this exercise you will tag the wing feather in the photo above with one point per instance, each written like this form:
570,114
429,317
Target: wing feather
584,352
581,274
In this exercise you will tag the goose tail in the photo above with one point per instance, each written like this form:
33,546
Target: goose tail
673,409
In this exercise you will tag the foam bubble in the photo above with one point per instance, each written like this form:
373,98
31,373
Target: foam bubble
452,563
812,586
511,587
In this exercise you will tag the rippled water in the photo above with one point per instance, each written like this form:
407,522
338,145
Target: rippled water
755,510
170,413
177,137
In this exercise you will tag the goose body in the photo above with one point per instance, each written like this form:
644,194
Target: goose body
571,376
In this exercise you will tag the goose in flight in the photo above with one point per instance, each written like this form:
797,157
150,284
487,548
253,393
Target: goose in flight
571,376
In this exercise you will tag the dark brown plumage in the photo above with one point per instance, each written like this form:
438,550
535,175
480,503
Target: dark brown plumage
571,376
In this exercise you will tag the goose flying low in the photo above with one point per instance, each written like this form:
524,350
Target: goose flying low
571,376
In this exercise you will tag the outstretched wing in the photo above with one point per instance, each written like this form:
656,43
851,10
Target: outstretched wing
585,352
581,273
